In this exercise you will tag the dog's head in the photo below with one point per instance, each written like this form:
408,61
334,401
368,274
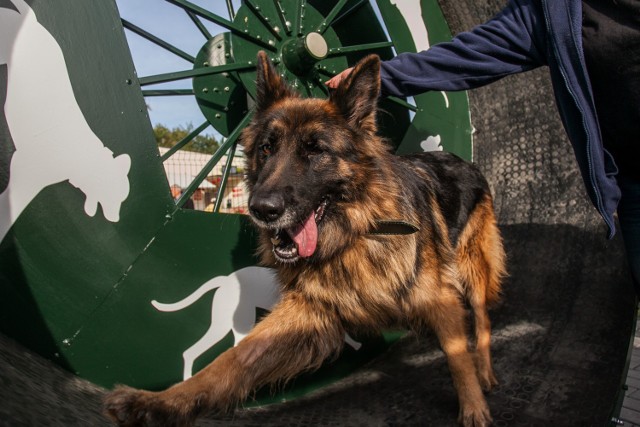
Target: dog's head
309,162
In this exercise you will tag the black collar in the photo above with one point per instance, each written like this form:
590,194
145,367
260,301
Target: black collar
393,227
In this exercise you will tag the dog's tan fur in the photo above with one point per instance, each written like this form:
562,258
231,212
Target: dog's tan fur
355,282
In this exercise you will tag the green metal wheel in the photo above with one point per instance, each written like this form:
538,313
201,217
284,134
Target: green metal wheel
309,41
101,270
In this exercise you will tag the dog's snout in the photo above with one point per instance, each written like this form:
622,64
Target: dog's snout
267,208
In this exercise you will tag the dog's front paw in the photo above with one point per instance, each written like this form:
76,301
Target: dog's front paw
129,407
477,415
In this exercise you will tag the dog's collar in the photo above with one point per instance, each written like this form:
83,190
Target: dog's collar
393,227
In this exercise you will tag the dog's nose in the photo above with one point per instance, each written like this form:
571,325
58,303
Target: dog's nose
267,208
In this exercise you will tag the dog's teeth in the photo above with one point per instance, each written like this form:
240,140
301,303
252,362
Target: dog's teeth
275,241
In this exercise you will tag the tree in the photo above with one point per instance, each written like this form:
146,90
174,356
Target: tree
166,137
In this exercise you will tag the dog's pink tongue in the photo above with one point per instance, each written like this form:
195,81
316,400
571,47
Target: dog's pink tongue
305,236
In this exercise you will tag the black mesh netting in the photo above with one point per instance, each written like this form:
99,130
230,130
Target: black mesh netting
560,336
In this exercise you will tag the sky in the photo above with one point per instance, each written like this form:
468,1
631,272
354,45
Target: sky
171,24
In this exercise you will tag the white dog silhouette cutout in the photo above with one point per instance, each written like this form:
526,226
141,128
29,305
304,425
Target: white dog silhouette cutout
52,138
233,308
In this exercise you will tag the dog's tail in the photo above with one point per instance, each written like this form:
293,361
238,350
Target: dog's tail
186,302
481,257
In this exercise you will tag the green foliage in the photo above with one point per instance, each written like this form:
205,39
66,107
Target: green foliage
166,137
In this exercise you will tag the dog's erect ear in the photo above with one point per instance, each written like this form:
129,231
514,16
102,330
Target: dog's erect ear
357,95
271,87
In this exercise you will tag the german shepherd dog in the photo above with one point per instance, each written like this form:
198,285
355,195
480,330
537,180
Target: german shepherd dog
321,183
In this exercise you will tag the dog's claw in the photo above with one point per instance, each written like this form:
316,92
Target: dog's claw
475,417
128,407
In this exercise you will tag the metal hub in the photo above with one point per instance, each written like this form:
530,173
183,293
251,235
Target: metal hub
301,54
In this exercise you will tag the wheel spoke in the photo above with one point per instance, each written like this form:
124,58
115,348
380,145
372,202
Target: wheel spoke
323,87
326,23
167,92
326,72
207,35
349,11
225,176
232,13
197,131
298,26
196,72
142,33
256,11
224,147
336,51
285,24
402,103
216,19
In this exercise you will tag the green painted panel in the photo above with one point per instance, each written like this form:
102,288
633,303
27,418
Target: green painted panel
193,248
57,262
442,120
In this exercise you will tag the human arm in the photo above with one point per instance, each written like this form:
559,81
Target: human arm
513,41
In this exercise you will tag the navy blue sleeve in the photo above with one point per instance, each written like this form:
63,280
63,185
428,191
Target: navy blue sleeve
512,42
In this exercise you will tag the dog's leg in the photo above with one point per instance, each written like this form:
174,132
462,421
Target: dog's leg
483,347
481,262
293,338
446,315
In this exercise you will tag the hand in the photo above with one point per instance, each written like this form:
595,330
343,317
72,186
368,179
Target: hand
334,82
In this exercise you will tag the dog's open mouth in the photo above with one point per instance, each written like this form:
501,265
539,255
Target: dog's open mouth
299,240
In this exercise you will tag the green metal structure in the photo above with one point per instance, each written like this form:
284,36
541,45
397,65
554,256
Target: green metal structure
96,257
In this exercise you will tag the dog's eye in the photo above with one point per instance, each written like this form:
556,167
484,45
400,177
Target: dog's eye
313,147
265,149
